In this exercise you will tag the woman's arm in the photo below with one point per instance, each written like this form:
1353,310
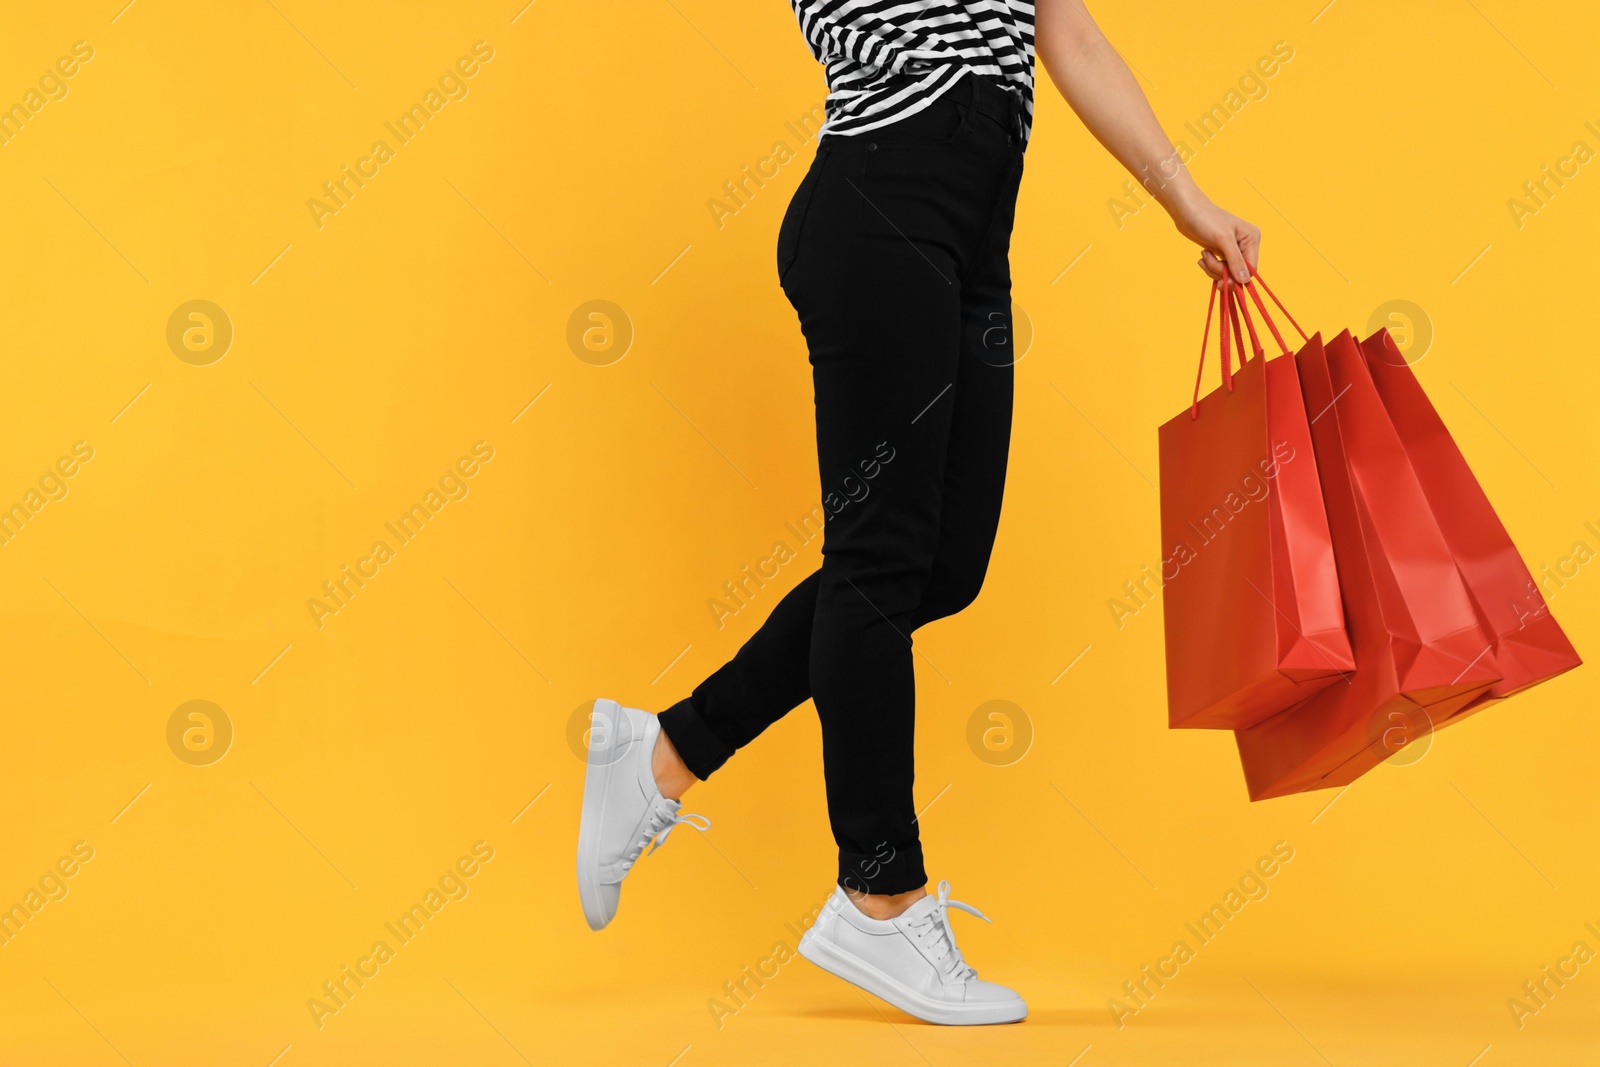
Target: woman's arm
1098,85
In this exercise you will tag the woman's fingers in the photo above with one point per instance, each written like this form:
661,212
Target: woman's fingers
1234,254
1230,246
1250,243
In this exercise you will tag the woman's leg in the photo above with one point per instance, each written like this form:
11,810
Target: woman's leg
895,289
770,675
980,425
884,351
767,679
896,264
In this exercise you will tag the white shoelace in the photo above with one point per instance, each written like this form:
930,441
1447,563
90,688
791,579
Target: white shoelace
936,924
656,828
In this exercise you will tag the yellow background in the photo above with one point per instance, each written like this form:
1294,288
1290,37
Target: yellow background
372,352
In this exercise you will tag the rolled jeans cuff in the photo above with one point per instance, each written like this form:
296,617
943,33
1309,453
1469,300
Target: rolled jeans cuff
701,750
885,871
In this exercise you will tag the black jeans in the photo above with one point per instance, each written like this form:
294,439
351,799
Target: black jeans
895,253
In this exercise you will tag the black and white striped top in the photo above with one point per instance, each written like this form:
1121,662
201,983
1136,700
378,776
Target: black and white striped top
888,59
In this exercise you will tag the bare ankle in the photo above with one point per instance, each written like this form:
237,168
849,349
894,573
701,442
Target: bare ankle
673,776
885,905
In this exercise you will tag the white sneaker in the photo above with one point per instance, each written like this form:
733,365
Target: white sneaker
623,811
911,961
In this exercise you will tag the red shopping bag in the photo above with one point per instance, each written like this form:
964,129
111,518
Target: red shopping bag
1421,654
1252,611
1528,644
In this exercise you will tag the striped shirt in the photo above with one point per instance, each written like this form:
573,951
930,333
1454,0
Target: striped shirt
888,59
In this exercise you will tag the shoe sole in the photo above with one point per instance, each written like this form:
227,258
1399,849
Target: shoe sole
865,976
596,788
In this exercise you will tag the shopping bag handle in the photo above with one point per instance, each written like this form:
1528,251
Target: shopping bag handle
1205,336
1255,342
1230,295
1266,318
1255,276
1226,287
1234,305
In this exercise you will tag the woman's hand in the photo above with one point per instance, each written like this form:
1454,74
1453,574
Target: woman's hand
1229,244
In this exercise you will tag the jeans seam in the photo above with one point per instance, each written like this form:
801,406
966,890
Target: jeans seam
994,217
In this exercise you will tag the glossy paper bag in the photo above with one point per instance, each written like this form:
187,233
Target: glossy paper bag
1251,599
1528,644
1421,654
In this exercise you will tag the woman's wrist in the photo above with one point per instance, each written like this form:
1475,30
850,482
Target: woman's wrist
1180,196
